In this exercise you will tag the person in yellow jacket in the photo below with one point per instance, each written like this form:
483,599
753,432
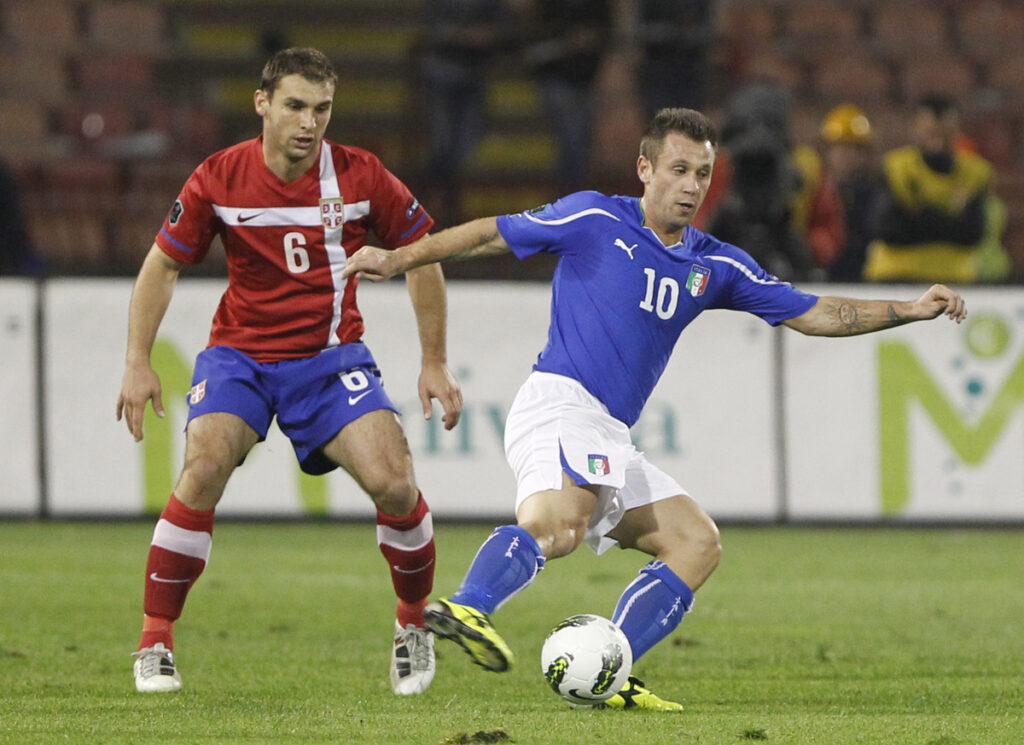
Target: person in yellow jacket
932,217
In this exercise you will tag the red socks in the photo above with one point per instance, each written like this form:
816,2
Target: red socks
177,556
408,545
181,547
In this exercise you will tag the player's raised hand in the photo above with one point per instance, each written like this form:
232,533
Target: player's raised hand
140,384
939,300
372,263
437,381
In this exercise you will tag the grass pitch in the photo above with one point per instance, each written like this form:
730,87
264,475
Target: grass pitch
909,637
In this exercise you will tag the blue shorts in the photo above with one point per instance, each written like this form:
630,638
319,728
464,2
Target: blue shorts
313,398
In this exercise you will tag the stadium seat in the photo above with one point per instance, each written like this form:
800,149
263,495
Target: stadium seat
27,74
22,118
740,21
70,242
1005,74
128,25
850,75
109,75
990,29
93,120
379,45
901,30
499,153
49,25
821,24
160,180
217,40
24,131
87,182
943,73
774,65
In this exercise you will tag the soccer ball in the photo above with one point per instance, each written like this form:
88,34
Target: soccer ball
586,659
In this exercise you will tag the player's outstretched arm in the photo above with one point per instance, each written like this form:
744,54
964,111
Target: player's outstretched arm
834,316
470,240
150,298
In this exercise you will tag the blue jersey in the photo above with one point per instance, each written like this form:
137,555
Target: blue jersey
620,298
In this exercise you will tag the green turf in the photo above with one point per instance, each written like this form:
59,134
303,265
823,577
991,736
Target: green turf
909,637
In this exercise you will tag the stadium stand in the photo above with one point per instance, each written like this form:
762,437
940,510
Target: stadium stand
149,87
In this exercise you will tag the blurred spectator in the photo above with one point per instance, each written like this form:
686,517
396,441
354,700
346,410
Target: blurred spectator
932,216
674,36
565,45
847,149
776,200
993,262
17,256
462,40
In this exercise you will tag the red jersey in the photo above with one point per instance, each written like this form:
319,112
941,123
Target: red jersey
287,243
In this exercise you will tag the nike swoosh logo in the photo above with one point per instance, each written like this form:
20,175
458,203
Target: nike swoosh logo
412,571
157,578
247,218
353,400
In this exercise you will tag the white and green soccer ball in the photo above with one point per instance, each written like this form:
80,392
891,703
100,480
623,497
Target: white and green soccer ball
586,659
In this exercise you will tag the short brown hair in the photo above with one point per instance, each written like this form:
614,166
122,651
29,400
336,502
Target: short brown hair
310,63
687,122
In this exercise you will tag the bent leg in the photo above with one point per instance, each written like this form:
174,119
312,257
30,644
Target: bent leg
183,536
506,564
215,444
677,532
685,543
551,524
373,449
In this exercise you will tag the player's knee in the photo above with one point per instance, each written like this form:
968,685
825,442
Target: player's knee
699,546
393,494
708,545
205,475
557,537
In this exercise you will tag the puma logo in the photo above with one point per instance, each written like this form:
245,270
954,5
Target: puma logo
628,249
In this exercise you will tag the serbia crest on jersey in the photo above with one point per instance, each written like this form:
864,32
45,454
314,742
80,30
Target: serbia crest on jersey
288,242
620,297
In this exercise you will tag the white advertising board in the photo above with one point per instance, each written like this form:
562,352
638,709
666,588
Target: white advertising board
19,432
921,422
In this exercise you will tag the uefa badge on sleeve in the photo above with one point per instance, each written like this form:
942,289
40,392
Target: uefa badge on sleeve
332,212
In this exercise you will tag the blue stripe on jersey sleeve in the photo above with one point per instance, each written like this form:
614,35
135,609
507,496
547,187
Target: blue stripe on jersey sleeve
414,228
176,244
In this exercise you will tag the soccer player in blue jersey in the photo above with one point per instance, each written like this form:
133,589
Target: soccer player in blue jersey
632,273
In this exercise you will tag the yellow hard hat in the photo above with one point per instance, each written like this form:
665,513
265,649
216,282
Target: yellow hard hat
846,123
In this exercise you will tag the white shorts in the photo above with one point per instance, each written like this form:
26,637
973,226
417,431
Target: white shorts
555,425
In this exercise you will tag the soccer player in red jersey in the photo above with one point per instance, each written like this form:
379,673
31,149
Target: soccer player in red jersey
289,208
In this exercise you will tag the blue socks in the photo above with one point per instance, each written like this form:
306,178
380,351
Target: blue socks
505,564
652,606
648,611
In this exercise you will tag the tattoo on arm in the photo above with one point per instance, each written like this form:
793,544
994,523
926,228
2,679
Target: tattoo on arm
850,317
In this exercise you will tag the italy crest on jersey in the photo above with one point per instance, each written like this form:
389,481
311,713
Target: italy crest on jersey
697,282
598,465
332,212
